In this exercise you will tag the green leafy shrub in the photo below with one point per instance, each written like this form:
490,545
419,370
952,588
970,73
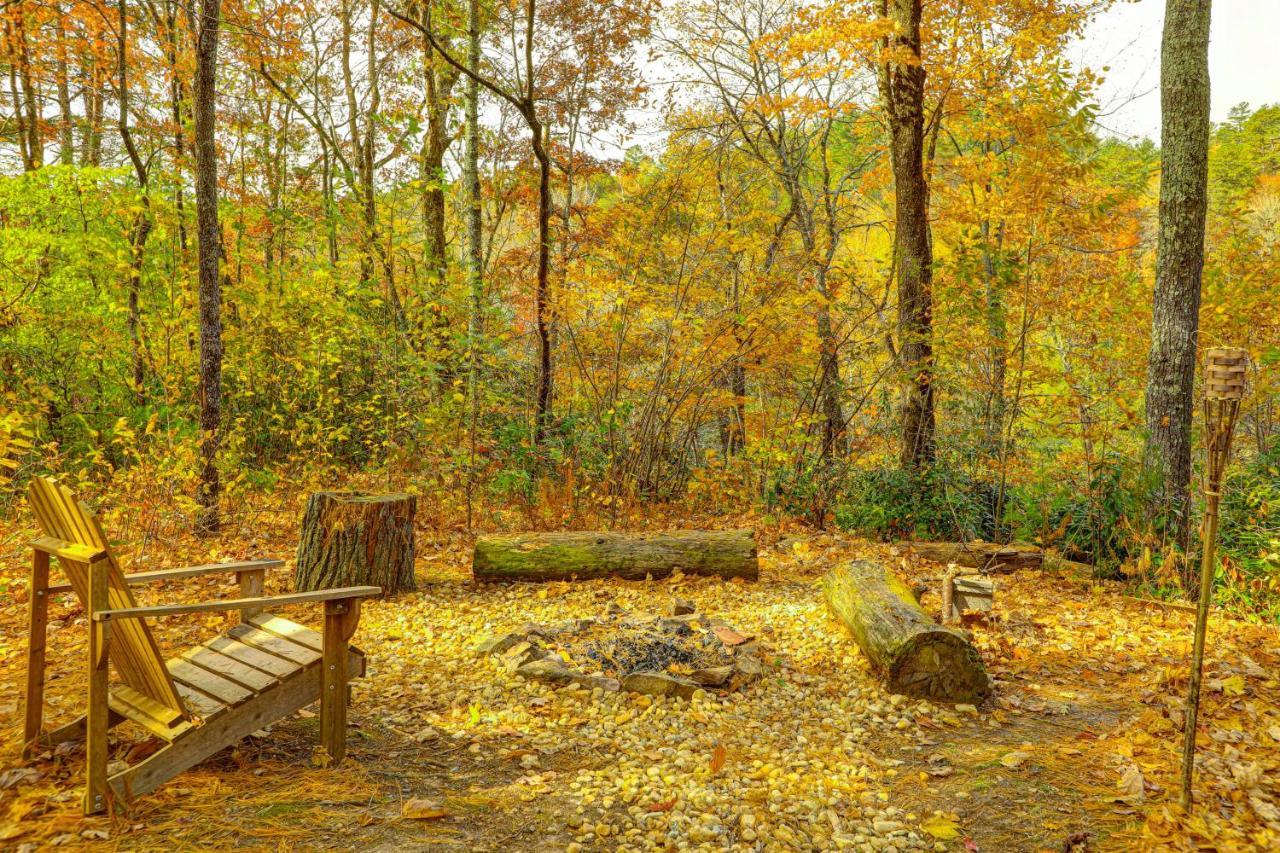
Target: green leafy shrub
1097,522
889,503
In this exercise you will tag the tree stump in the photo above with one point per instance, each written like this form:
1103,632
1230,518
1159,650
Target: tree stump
917,656
564,556
354,539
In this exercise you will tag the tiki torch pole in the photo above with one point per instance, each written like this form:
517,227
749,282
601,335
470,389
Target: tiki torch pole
1224,380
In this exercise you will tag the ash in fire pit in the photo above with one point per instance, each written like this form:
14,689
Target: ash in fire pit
672,655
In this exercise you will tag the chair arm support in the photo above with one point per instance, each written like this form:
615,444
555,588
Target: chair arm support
139,578
237,603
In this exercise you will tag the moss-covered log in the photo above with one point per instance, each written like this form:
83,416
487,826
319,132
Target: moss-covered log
986,556
917,656
633,556
353,539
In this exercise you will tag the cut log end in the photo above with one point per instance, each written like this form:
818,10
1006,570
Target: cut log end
940,666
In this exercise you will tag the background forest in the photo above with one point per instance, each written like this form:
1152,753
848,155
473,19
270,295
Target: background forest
712,323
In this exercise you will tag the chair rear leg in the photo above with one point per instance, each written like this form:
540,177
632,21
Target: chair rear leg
33,711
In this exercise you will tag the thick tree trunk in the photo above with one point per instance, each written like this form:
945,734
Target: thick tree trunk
204,27
1184,158
987,556
351,539
917,656
902,86
632,556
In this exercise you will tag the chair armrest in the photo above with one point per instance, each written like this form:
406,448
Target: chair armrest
68,550
139,578
237,603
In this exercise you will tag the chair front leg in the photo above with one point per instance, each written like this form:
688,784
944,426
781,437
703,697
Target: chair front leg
37,625
338,627
97,716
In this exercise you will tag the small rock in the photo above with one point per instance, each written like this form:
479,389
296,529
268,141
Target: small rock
498,645
748,666
659,684
682,607
712,676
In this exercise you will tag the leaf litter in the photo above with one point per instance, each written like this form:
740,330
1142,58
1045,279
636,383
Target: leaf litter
1080,750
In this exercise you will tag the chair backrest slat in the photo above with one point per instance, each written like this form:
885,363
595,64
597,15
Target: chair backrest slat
133,650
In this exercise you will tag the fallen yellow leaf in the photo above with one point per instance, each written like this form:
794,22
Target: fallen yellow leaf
941,827
422,810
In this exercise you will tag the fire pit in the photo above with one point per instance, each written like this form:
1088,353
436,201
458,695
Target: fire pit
672,655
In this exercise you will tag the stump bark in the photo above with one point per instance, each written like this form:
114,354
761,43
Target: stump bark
917,656
632,556
985,556
354,539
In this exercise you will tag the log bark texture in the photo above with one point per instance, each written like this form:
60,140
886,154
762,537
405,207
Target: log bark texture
917,656
352,539
632,556
985,556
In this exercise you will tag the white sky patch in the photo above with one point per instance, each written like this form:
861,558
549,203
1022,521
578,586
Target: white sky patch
1244,61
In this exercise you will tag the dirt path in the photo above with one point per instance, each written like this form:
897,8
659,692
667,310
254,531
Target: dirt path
815,757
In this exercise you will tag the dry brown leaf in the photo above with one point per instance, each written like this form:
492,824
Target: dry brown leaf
718,757
1131,786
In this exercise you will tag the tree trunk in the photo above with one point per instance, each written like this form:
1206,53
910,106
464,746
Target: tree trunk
987,556
66,121
632,556
475,246
917,656
352,539
902,86
542,415
204,28
1184,157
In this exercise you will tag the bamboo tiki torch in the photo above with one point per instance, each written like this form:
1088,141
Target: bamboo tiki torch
1224,381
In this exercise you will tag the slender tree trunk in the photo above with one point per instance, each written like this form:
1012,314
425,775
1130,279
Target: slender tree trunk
475,245
31,118
541,298
140,230
94,97
902,86
175,108
439,84
19,117
204,30
829,370
66,139
996,407
1184,156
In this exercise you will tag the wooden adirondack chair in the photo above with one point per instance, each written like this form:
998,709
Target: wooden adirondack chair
207,698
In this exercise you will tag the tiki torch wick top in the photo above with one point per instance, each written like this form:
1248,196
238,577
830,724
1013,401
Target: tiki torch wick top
1224,373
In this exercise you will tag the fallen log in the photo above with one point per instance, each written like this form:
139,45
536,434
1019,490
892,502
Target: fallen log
633,556
917,656
984,556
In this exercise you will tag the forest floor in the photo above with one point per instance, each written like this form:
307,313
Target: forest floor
1079,750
